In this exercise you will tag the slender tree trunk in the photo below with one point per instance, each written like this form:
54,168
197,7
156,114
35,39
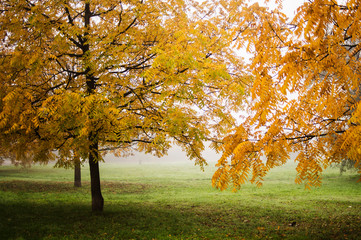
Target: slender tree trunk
77,172
97,198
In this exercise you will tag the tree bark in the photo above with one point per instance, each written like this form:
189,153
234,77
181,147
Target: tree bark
97,198
77,173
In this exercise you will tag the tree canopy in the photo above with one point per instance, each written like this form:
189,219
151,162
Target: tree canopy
86,77
305,94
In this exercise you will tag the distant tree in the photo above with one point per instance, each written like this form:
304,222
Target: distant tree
305,95
345,165
77,172
109,75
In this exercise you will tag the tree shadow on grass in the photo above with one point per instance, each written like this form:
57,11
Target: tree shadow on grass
57,210
28,220
109,187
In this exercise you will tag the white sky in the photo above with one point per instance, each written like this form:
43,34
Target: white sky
289,6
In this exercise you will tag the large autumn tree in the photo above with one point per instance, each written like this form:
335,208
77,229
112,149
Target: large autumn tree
86,77
305,95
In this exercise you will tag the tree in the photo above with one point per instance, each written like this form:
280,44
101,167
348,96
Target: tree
98,76
77,171
305,95
346,164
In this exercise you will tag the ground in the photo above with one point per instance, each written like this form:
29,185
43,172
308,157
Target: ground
175,201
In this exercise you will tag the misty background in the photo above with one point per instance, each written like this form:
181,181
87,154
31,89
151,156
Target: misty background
175,154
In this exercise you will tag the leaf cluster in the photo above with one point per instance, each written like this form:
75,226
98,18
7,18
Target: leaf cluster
305,92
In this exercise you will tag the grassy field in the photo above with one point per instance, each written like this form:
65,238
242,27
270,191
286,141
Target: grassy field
175,201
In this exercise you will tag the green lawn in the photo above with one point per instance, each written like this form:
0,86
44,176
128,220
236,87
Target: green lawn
175,201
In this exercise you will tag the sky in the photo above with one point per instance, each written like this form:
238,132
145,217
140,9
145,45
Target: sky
289,6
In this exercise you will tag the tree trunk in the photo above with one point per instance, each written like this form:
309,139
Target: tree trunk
77,173
97,198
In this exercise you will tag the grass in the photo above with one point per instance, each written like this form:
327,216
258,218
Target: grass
175,201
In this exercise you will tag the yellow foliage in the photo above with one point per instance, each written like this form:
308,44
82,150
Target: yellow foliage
126,75
305,92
